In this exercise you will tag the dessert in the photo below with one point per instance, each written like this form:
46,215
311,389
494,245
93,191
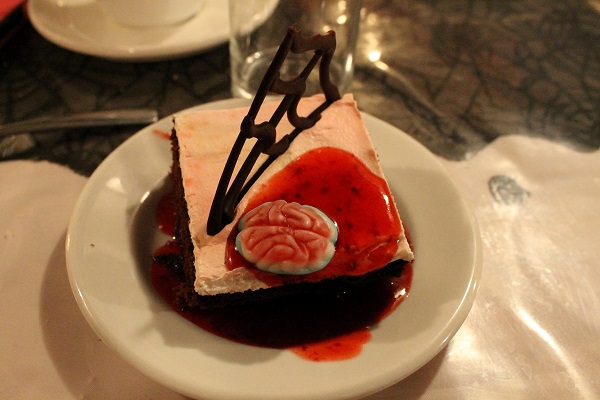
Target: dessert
323,195
202,141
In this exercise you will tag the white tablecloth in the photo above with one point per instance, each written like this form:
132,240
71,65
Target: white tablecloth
533,332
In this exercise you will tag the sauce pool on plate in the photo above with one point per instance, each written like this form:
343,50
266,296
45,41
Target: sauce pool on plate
322,325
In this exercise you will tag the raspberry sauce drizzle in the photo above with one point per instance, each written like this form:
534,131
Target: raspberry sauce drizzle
357,200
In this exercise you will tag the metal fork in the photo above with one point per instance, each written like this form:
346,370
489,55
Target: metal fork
82,120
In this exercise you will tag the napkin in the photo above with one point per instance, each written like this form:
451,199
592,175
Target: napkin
535,326
48,350
534,329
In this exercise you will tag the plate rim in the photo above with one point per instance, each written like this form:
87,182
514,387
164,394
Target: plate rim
383,380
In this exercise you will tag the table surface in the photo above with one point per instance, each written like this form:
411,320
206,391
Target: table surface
505,94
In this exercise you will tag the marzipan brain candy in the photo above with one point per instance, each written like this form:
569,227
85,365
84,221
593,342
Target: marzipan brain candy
287,238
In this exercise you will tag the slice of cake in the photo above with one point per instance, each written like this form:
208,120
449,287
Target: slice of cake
331,168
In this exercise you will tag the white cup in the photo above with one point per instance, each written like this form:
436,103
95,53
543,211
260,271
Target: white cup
259,26
150,13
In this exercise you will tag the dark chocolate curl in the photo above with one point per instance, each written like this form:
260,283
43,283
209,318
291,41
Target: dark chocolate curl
222,210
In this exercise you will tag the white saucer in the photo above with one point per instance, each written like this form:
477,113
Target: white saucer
113,232
80,26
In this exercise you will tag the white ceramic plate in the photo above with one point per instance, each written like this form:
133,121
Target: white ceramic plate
112,233
80,26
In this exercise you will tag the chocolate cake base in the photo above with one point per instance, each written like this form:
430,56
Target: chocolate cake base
185,263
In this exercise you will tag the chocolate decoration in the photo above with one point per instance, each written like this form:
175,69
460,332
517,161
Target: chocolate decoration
222,211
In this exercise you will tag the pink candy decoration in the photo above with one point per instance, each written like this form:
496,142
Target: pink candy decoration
287,238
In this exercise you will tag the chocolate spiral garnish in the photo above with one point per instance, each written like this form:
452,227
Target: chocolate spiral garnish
222,211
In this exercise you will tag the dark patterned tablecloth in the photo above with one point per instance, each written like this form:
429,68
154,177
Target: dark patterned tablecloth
453,74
